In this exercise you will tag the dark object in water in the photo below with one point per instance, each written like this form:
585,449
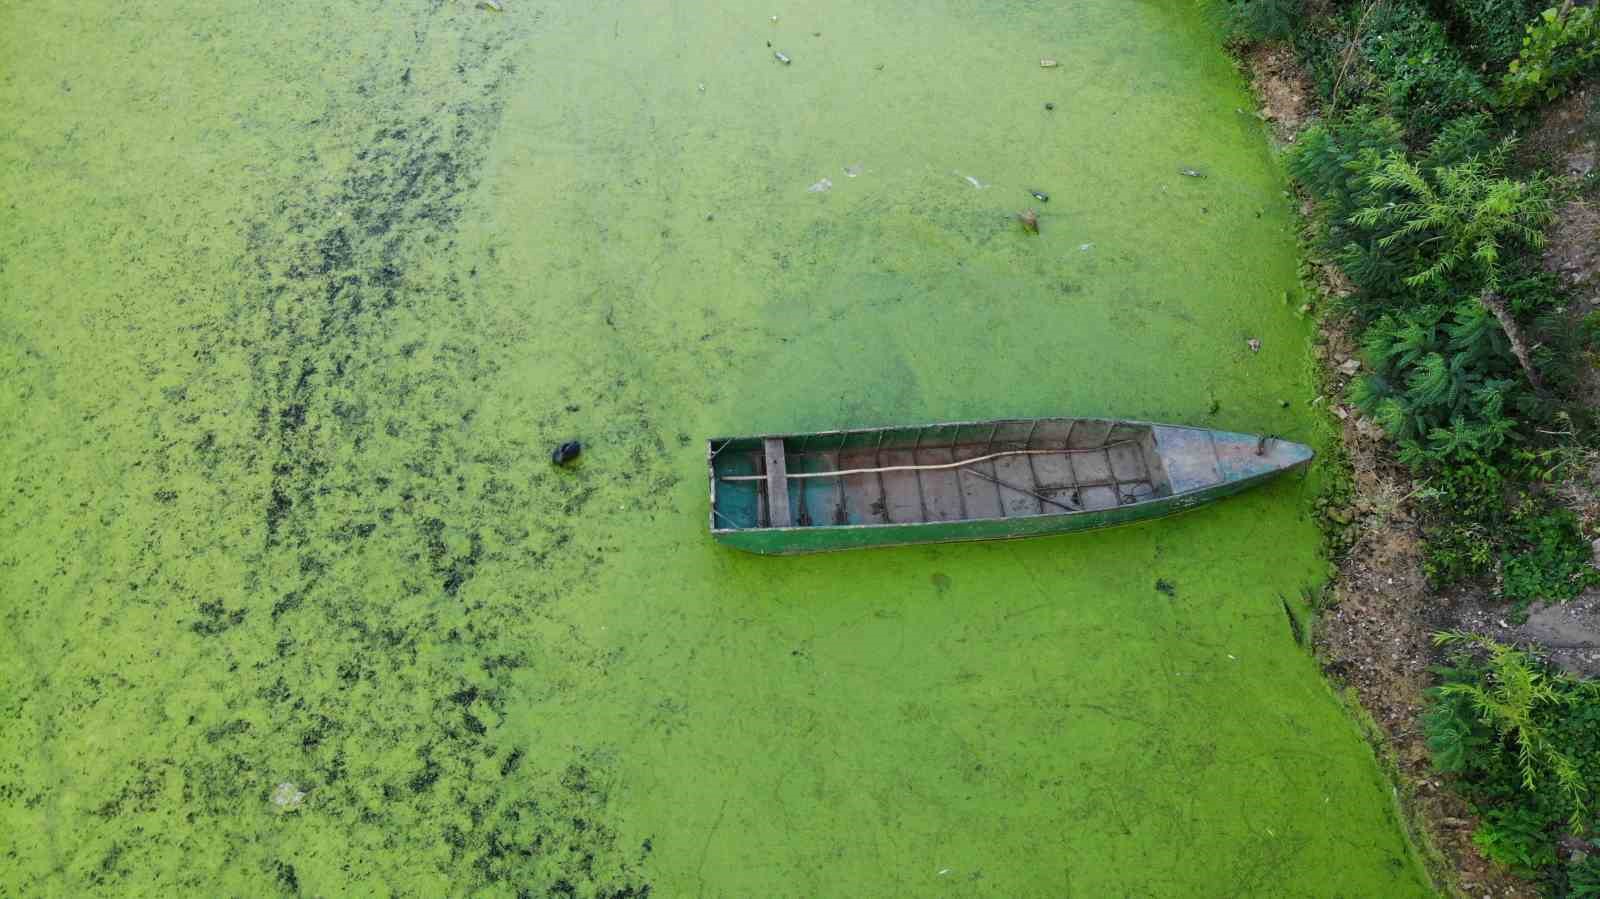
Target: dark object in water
1295,629
566,452
1029,220
1050,106
1165,588
1039,195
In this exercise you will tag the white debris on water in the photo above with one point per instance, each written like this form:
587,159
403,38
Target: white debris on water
820,186
1085,247
854,169
287,797
974,182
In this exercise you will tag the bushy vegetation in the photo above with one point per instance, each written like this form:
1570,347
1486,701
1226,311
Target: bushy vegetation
1531,546
1562,44
1524,745
1258,20
1420,202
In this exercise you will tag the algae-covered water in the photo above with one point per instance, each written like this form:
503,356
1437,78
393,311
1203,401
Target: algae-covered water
295,300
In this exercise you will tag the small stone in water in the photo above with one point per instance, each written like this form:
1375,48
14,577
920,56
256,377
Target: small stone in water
286,796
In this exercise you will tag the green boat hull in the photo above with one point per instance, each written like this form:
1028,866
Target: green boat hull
968,481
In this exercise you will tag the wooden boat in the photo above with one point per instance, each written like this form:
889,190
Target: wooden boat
975,480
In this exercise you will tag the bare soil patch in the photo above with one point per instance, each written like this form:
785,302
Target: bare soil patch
1374,637
1573,251
1281,85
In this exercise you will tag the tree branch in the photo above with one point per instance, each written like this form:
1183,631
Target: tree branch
1496,305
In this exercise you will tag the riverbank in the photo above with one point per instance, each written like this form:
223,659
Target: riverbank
1389,523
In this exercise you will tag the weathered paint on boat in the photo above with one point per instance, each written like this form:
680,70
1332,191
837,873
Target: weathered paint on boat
958,481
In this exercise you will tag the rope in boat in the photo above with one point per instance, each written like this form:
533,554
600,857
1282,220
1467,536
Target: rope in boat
941,467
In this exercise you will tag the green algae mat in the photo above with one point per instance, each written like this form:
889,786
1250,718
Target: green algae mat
295,301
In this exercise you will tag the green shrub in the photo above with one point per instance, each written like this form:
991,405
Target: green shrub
1546,556
1560,45
1516,837
1440,382
1395,55
1467,212
1257,20
1583,877
1471,531
1523,743
1407,232
1490,31
1464,505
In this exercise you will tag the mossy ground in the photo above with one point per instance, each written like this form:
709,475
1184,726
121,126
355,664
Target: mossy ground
297,300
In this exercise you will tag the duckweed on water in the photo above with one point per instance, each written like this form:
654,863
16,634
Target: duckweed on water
299,300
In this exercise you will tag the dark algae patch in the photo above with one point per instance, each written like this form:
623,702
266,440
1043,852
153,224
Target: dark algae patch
352,648
299,302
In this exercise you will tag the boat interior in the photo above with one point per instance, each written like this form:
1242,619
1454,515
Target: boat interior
933,473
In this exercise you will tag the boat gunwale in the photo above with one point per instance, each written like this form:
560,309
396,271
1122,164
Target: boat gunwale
711,456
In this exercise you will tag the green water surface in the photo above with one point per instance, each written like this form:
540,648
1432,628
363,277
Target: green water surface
296,298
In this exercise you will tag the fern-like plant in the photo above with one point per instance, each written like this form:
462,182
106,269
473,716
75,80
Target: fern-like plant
1466,213
1509,699
1583,877
1439,382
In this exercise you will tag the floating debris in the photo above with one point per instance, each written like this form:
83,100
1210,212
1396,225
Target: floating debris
782,57
1048,63
1049,107
854,169
1085,247
1191,173
820,186
566,452
1254,345
972,181
701,87
494,5
287,797
1039,195
1029,220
